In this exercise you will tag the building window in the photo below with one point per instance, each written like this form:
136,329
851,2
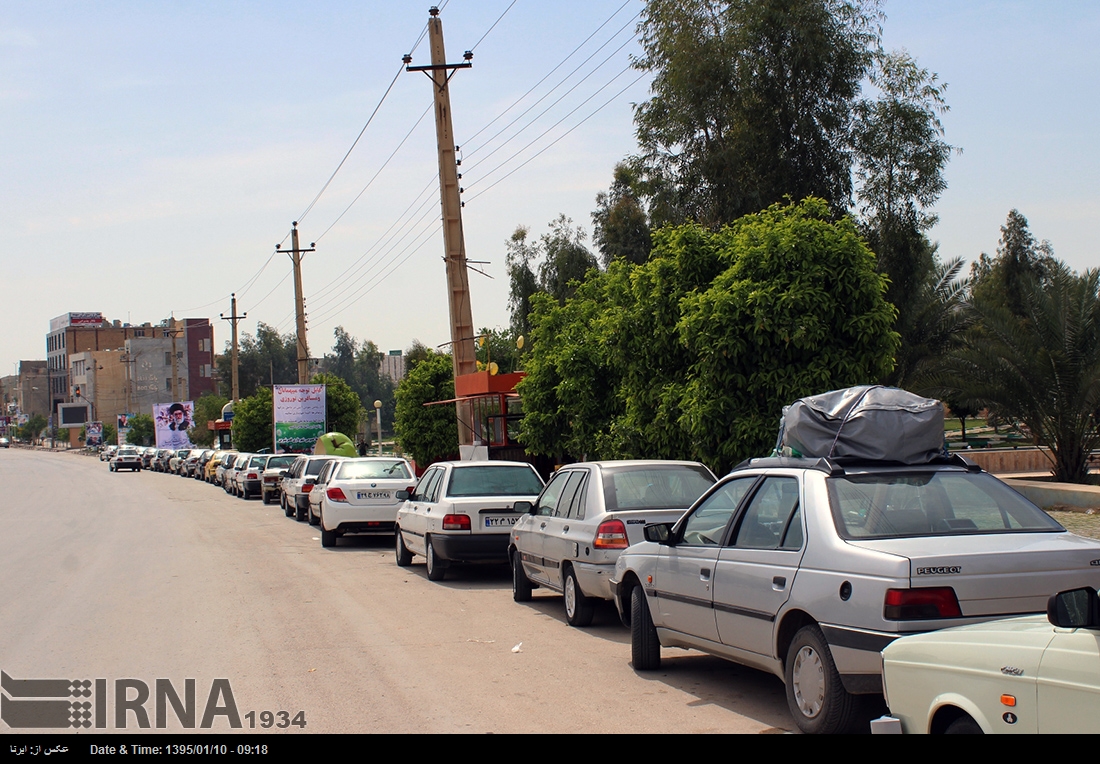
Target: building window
168,384
167,358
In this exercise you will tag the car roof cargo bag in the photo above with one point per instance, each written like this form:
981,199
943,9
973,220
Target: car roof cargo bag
866,422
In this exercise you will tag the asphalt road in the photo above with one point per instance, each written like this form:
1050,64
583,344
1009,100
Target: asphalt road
151,576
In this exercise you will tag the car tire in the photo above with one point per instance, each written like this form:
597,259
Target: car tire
645,647
578,607
265,497
299,513
288,508
437,569
328,538
404,556
815,694
521,584
964,725
313,519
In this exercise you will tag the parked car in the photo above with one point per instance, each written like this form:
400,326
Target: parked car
232,469
125,458
105,453
272,475
317,487
463,512
809,568
299,482
360,496
1020,675
248,480
569,539
5,443
225,461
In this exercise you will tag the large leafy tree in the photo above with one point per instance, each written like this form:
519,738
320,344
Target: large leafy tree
208,408
142,431
253,419
427,433
620,223
264,359
343,409
694,354
1037,361
359,365
1021,261
752,103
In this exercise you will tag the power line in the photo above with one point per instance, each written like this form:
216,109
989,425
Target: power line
493,26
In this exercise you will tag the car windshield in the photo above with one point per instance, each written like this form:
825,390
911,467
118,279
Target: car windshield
374,469
673,486
491,480
278,462
931,504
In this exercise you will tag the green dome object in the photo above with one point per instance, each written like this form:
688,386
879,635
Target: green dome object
335,444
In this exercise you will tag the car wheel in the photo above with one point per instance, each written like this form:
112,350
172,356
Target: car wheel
404,556
282,500
815,694
288,508
328,538
299,513
265,497
437,569
578,608
645,647
521,584
313,519
964,725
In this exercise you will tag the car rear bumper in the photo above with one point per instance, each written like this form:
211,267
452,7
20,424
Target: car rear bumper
482,547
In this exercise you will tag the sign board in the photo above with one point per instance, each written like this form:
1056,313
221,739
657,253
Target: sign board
122,427
93,434
299,417
73,415
171,421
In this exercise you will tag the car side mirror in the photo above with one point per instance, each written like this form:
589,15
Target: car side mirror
403,495
658,533
311,481
523,506
1075,609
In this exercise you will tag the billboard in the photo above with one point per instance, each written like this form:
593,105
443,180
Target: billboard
73,415
171,421
122,427
299,417
93,434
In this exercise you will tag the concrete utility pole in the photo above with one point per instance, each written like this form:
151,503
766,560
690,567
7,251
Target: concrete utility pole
173,331
299,303
458,285
234,356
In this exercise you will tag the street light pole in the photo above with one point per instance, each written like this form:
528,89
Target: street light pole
378,416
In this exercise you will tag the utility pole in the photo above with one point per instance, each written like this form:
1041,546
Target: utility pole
234,354
173,331
458,285
299,303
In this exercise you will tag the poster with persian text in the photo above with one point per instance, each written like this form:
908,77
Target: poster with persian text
299,417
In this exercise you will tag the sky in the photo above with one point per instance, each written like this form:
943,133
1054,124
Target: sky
156,151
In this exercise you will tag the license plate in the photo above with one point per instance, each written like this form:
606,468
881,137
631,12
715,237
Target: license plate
372,495
500,522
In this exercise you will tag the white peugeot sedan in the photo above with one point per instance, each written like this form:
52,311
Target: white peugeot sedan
586,516
463,512
1020,675
361,497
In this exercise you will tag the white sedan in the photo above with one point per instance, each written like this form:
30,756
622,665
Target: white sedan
463,512
1018,675
361,497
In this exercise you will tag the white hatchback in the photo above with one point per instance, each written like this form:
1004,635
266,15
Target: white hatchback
463,512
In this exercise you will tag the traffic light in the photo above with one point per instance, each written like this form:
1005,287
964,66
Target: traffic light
76,391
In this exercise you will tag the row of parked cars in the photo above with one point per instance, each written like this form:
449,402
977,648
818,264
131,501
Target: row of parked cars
839,576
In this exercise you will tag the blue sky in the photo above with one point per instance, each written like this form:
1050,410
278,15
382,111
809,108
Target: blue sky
155,152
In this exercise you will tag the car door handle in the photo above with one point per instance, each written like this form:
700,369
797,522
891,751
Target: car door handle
704,574
565,529
542,527
779,582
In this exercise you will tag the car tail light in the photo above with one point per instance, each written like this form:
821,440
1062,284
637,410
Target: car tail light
611,535
268,479
335,494
921,604
307,488
251,476
456,522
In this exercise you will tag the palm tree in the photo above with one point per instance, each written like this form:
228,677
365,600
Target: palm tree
1040,366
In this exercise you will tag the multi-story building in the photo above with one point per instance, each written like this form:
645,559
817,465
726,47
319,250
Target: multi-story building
144,352
393,366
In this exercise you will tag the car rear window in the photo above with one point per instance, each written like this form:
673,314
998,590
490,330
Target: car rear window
931,504
377,470
675,486
488,480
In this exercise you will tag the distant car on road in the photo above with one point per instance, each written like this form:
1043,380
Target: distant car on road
125,458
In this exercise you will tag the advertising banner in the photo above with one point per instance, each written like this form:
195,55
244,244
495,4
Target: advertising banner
122,427
299,417
93,434
171,421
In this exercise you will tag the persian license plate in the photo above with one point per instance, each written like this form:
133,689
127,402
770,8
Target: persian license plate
372,495
500,522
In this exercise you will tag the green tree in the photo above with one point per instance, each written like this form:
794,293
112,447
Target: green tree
497,346
359,364
30,431
620,224
142,432
110,434
264,359
565,260
900,155
1020,262
342,406
253,422
752,103
208,408
415,353
1037,361
523,283
427,433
